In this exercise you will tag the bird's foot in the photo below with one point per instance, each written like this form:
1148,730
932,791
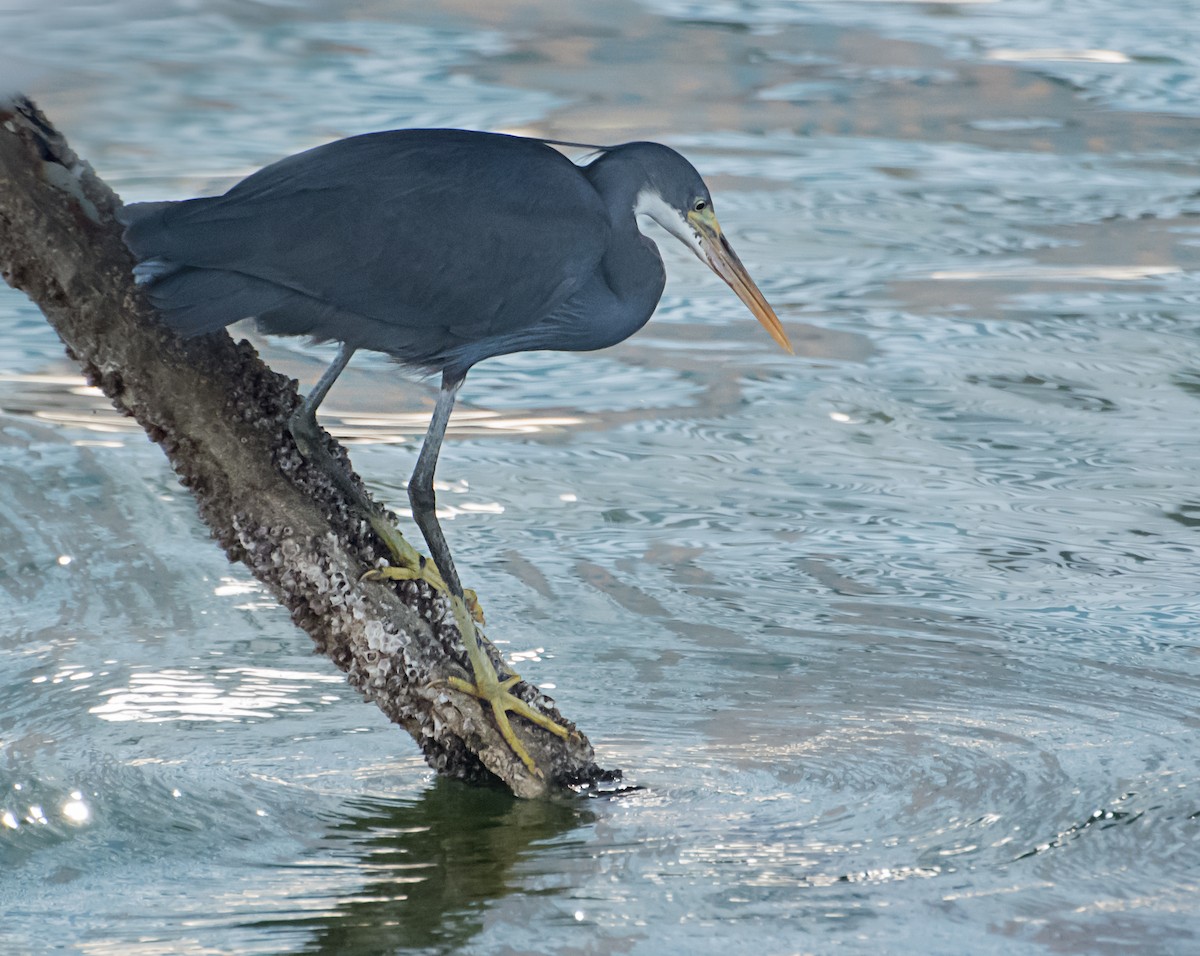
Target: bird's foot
428,573
411,565
306,433
497,693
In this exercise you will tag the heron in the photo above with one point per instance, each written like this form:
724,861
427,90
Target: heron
439,248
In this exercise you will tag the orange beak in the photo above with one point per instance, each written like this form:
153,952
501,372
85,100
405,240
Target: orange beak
724,262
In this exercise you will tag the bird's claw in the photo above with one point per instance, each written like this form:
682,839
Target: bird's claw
497,693
502,702
411,565
429,574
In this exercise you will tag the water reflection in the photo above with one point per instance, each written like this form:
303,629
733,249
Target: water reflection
432,867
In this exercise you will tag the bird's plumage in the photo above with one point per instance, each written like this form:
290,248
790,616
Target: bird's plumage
438,247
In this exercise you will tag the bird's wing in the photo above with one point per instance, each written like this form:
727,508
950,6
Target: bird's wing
471,234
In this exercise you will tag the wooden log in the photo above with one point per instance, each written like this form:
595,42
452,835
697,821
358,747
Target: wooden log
221,417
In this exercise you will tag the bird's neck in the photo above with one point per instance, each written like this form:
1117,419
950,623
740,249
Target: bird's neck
633,267
618,177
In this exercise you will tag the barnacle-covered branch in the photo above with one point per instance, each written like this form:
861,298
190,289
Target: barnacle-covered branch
220,415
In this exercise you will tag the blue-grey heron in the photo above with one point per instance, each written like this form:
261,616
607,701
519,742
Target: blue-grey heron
439,248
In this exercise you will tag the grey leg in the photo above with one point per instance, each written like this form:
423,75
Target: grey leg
303,423
303,426
408,564
420,487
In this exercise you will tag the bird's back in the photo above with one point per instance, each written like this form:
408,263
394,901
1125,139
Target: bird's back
417,243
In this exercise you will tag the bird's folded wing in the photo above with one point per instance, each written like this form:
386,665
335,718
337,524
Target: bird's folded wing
469,234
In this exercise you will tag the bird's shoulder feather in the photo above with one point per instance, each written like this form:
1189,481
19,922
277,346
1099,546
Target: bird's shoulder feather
468,233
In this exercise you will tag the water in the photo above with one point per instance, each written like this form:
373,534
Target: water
897,637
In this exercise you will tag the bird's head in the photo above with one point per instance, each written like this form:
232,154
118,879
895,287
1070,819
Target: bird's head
676,198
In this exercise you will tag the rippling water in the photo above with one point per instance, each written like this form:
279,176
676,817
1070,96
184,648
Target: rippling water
897,638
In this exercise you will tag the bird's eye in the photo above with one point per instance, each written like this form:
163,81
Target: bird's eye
700,206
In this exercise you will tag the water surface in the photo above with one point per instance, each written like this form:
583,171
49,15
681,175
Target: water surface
896,637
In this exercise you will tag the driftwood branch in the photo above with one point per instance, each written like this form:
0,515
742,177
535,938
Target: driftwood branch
220,415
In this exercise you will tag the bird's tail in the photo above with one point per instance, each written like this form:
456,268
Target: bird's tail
193,300
144,223
145,226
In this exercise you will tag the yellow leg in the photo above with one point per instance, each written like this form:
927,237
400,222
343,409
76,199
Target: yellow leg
411,565
495,692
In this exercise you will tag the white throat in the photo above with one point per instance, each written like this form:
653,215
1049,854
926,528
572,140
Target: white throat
650,203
